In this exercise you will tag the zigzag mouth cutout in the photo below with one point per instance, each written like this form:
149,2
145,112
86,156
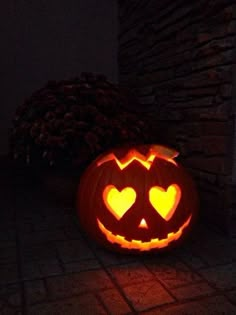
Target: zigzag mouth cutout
139,245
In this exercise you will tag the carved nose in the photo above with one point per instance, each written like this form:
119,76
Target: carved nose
143,224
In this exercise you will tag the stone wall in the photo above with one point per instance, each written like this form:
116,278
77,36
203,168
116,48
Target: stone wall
177,56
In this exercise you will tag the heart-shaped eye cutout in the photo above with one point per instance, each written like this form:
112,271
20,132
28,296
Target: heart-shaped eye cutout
165,202
118,202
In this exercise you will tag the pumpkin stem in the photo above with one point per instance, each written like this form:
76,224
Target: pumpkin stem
164,151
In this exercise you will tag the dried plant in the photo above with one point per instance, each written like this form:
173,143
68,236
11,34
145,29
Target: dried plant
69,122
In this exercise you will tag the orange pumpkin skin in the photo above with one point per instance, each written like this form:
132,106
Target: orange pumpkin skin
137,199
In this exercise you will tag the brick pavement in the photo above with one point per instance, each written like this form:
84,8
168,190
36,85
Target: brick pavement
48,267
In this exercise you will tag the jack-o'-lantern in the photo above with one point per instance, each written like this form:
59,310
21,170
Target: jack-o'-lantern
137,199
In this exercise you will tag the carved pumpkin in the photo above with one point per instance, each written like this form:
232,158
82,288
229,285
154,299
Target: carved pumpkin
137,199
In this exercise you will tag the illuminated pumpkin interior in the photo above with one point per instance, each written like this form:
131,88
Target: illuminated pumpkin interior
163,201
143,246
146,161
118,202
143,224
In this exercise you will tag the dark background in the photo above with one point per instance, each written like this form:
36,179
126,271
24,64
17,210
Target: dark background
45,40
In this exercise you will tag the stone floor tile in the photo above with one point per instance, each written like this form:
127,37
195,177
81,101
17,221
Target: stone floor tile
223,277
72,232
31,270
146,295
213,245
35,291
81,305
50,268
55,221
45,251
232,296
6,217
206,233
8,255
8,310
192,291
110,258
171,271
54,253
41,269
114,302
10,299
212,257
73,250
24,227
130,273
7,244
8,273
190,259
44,236
8,234
82,265
74,284
11,294
217,305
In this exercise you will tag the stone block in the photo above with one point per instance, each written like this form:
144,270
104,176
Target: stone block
214,165
196,92
194,145
110,258
81,265
193,291
75,284
40,269
219,11
216,128
39,252
172,272
232,296
217,305
8,255
204,177
209,77
114,302
73,250
196,102
8,273
44,236
226,90
203,37
127,35
8,234
84,305
213,245
222,277
10,294
219,113
35,291
214,46
213,60
130,273
214,145
139,6
72,232
147,295
147,100
146,90
187,257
